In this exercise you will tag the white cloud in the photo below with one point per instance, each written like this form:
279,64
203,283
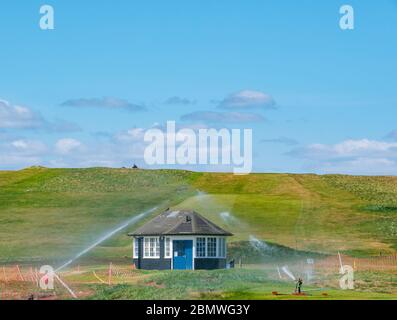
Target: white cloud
392,135
222,117
358,166
105,102
179,101
121,149
281,140
118,150
363,156
131,135
248,99
348,148
21,117
17,153
31,147
15,116
67,145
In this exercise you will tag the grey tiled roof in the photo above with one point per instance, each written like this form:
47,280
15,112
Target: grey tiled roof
179,222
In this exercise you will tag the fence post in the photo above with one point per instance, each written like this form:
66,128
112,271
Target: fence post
37,277
5,274
20,273
110,274
31,275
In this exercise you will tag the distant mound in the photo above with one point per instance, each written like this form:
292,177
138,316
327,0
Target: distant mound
262,252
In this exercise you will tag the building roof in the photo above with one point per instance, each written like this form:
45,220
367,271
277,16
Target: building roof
179,222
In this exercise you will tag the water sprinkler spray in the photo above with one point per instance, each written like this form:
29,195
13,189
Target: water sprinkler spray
133,220
288,273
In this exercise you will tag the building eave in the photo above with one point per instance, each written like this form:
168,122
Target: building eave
180,234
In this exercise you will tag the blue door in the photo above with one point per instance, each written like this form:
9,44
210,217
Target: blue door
183,254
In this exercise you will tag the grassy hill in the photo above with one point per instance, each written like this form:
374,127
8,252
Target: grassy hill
355,215
51,214
48,215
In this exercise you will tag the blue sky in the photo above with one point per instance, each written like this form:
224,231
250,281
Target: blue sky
82,94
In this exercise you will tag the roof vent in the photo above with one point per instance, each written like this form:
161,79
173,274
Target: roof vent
188,219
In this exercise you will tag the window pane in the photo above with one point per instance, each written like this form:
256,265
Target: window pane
151,247
157,251
200,247
146,246
167,248
211,247
152,244
136,248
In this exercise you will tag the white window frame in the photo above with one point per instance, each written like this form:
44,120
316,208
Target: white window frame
147,241
167,246
135,253
218,254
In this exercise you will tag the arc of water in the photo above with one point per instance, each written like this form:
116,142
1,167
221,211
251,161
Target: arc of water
134,220
65,286
341,263
288,273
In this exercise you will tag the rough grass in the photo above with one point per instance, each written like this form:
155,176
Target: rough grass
241,284
183,285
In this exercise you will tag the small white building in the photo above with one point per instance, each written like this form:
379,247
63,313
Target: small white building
181,240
